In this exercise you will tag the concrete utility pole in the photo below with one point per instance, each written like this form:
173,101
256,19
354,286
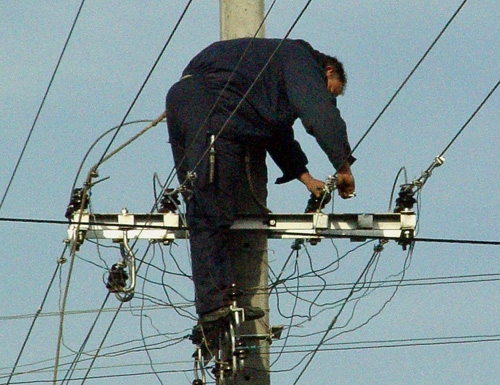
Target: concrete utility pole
243,18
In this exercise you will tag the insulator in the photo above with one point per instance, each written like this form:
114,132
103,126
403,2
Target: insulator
405,201
169,202
233,292
222,368
75,202
117,278
241,351
297,244
198,382
315,204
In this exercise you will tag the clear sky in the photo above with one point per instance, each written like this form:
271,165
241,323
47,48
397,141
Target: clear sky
439,327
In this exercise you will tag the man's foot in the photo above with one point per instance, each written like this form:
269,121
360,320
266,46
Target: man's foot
215,315
251,313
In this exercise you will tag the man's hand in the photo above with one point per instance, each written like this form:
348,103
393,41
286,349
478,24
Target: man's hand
315,186
345,182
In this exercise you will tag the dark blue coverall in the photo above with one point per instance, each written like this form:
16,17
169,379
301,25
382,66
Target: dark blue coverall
292,86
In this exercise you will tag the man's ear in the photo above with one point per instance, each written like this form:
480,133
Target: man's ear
329,70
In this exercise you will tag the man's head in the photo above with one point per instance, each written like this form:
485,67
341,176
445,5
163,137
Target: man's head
335,75
336,78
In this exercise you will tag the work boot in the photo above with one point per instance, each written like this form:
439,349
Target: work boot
251,313
215,315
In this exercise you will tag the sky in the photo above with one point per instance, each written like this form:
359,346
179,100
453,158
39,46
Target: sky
439,325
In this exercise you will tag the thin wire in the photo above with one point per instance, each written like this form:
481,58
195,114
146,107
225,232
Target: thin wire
102,343
409,76
334,320
42,104
470,118
145,82
37,314
397,343
76,359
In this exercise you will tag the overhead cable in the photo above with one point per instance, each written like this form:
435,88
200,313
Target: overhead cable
103,157
42,104
470,118
409,75
36,316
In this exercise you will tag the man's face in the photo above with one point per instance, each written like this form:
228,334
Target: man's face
334,85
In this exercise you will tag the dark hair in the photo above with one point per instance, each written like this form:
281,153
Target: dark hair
338,67
326,60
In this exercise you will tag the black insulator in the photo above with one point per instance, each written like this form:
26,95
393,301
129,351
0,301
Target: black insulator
315,204
241,351
233,292
169,202
117,278
405,200
222,367
297,244
75,202
198,382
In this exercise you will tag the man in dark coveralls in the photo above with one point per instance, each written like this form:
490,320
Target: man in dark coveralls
211,107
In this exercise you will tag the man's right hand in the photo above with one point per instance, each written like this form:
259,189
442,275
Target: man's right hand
345,183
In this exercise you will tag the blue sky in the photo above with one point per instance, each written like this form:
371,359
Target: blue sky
444,318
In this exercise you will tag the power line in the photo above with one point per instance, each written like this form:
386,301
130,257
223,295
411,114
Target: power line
145,82
42,104
403,84
417,239
397,343
471,117
35,317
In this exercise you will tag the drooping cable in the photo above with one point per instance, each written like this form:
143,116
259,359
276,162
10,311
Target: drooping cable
335,319
73,365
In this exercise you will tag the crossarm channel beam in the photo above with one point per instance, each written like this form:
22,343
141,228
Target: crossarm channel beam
168,227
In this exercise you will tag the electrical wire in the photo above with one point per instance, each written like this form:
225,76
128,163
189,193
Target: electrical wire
54,73
335,319
36,316
417,239
176,26
405,81
470,118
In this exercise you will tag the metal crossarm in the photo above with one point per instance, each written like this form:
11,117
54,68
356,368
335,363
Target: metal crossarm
168,227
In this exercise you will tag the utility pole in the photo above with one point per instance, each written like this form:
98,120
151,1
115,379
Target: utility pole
244,18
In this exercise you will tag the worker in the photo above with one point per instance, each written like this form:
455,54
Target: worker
237,98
